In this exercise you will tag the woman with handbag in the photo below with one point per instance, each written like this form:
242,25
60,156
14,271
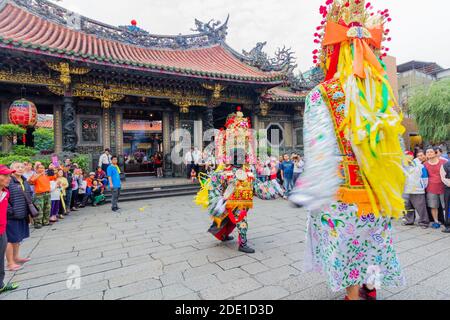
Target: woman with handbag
17,228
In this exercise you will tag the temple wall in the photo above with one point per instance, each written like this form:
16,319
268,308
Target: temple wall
291,124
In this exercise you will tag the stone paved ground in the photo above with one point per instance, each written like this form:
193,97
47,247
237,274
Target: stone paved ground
159,249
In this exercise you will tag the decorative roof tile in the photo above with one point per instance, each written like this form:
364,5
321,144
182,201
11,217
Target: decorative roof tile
25,30
284,94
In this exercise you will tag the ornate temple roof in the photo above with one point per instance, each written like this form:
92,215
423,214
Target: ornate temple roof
44,28
282,94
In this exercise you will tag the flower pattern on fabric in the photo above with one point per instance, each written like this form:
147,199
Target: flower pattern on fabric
322,156
338,95
348,255
348,249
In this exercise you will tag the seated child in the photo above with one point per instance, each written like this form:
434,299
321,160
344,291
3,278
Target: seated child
97,193
193,175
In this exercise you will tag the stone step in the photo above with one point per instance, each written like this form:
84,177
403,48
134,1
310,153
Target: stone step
155,189
143,193
132,197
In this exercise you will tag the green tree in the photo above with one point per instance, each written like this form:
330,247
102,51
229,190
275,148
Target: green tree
430,106
8,159
44,139
24,151
10,131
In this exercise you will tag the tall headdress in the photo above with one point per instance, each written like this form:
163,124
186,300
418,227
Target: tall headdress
237,136
351,21
351,38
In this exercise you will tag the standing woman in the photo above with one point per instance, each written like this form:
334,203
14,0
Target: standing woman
28,172
41,182
64,184
158,165
17,228
67,168
298,167
76,181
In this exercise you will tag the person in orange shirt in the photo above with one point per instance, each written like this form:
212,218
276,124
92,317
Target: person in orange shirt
41,181
89,184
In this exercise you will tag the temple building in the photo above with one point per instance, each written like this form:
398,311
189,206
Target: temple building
101,86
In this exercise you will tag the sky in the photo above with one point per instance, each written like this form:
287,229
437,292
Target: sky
419,29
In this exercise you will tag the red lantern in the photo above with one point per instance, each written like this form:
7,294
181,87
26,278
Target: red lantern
23,113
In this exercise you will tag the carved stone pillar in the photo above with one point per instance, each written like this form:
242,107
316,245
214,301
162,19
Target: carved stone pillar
255,121
166,132
57,126
198,131
166,144
178,170
70,138
215,93
209,118
119,132
106,123
288,135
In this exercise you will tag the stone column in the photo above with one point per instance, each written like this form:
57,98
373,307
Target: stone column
57,127
298,124
177,169
166,132
6,144
166,144
70,138
288,135
199,126
106,128
255,121
119,132
209,118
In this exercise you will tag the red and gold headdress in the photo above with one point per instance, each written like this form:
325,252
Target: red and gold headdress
237,135
351,21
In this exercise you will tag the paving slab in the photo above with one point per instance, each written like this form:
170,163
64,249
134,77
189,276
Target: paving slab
138,254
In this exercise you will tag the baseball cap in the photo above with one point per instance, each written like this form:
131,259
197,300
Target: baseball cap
92,173
409,153
5,170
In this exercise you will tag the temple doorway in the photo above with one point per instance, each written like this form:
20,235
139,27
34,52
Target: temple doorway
142,141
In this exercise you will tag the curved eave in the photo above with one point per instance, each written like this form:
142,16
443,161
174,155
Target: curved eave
283,100
154,70
26,32
280,95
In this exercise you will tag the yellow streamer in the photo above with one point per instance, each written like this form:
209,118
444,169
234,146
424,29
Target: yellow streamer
379,160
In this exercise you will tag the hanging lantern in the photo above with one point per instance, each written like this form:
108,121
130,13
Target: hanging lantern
23,113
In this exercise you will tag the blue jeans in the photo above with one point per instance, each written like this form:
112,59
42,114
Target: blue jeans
288,184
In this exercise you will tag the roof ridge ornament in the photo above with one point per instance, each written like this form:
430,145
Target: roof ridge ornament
213,27
210,33
284,60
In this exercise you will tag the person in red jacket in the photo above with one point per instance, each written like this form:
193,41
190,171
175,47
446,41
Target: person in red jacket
436,188
5,178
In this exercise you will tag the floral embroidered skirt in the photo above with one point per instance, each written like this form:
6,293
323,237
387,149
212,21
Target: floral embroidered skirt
351,250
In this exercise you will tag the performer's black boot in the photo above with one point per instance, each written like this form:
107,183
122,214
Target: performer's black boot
227,238
246,249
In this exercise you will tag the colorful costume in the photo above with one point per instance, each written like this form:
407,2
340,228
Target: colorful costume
228,192
353,180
